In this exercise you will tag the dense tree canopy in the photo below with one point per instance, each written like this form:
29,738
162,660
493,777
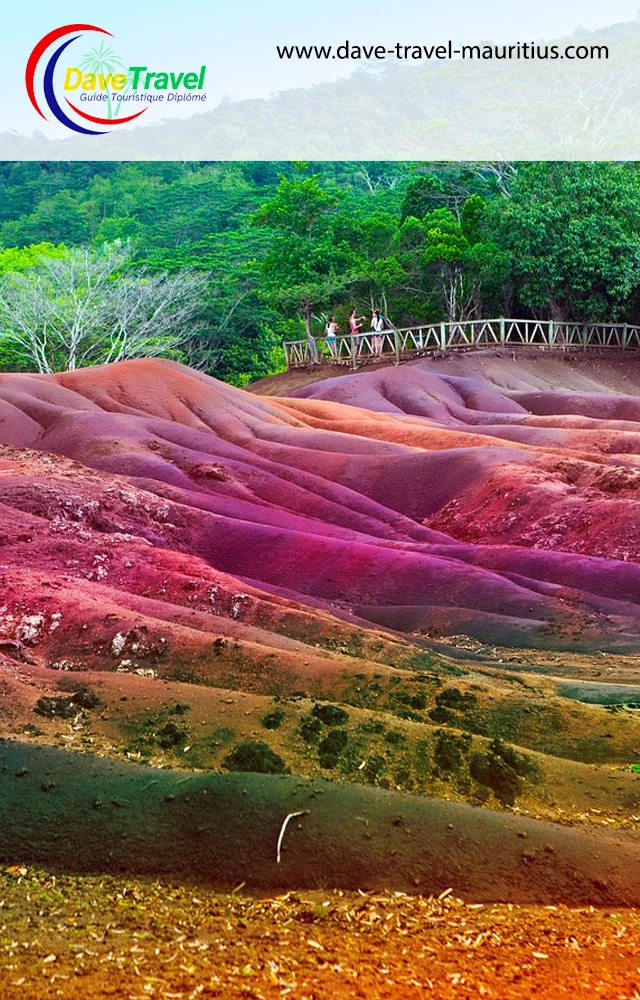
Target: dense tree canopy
573,234
279,246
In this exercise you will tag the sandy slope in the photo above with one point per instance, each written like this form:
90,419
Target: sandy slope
336,503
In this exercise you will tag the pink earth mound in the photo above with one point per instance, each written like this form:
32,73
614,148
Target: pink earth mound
485,496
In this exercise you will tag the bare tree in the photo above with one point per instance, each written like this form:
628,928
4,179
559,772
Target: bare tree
460,293
373,180
91,307
501,171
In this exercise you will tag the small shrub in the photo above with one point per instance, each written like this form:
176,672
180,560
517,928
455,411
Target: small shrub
374,767
422,759
85,697
453,698
80,694
408,713
394,738
180,708
450,752
443,716
274,719
34,731
403,777
517,761
56,708
66,707
500,769
222,735
372,726
171,735
255,757
418,661
332,746
416,701
404,697
331,715
491,770
310,729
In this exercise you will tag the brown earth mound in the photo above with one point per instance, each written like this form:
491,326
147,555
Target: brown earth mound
86,815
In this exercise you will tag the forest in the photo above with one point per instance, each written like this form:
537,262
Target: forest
216,263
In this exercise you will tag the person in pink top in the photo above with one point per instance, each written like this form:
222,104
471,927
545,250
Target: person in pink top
355,326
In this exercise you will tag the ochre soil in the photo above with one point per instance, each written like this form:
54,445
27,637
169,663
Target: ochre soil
556,733
89,938
612,371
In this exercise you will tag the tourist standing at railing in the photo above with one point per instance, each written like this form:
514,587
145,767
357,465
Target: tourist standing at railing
377,326
331,335
355,326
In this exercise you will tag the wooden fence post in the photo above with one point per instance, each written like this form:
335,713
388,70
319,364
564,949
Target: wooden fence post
354,351
502,332
625,336
396,343
443,336
551,333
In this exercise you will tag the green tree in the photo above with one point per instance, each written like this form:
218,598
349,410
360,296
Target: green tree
22,258
371,234
573,234
452,254
306,267
240,336
297,207
60,219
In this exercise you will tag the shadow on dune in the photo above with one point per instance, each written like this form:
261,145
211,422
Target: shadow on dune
81,814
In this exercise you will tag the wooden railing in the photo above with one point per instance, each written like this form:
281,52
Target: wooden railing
416,341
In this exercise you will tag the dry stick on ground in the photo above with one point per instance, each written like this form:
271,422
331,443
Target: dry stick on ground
283,828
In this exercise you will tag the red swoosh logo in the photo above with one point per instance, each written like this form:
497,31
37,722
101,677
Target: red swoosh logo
104,121
43,44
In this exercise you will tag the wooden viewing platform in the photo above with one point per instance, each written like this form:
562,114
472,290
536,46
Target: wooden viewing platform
416,341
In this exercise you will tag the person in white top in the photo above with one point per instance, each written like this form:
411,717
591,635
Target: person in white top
331,334
377,326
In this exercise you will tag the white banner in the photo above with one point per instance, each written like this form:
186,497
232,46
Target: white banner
337,83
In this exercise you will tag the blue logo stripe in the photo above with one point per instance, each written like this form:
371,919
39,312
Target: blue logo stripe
51,97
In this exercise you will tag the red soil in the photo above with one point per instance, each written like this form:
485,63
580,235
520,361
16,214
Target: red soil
447,504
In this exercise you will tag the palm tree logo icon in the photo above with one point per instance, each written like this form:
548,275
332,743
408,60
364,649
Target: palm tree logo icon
104,60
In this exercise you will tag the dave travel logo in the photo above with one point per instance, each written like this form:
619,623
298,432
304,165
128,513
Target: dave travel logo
100,81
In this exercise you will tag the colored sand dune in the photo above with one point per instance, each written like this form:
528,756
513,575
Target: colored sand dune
472,496
188,571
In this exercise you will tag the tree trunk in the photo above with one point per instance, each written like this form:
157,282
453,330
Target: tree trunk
556,311
313,347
